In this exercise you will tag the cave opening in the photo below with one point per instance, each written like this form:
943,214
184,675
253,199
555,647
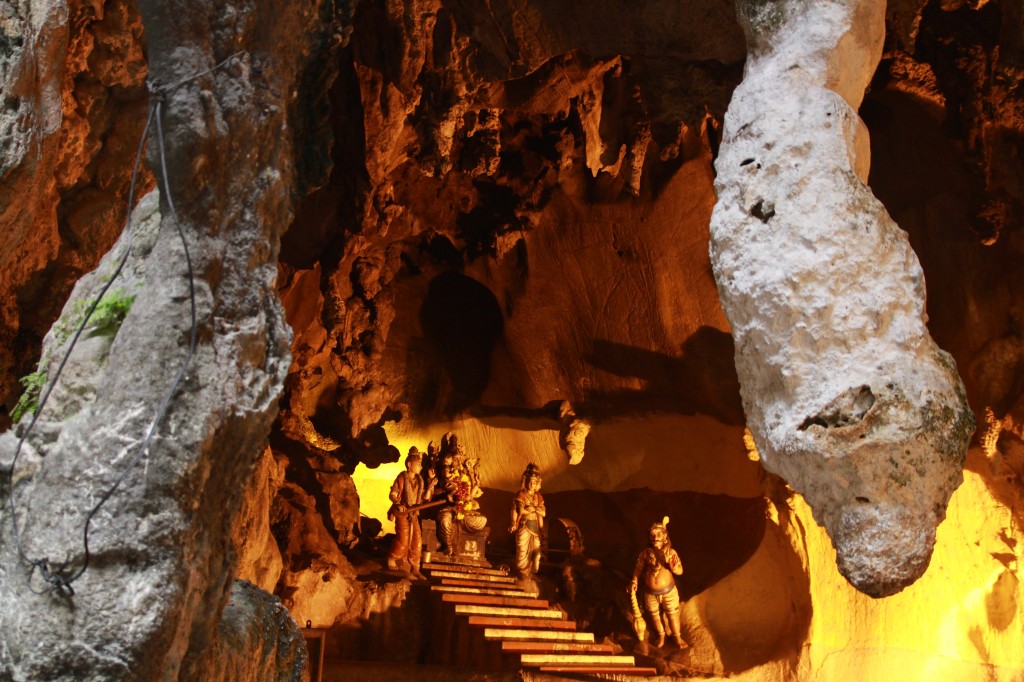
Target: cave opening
463,322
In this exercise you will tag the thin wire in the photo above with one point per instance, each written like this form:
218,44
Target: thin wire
58,581
165,403
189,79
43,564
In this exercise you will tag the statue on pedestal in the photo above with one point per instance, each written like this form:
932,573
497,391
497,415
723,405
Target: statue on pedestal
654,577
461,528
407,492
527,522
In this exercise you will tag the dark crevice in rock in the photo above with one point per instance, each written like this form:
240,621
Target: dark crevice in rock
762,210
494,215
332,151
443,252
847,409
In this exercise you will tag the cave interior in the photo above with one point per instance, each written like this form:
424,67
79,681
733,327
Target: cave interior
500,229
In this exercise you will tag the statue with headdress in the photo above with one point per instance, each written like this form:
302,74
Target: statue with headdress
654,582
460,527
528,513
408,494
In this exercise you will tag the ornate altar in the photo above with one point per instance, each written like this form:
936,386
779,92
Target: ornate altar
458,532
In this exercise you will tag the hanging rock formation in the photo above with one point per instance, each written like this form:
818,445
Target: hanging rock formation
553,169
846,394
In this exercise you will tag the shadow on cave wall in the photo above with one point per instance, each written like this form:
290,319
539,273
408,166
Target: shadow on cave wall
702,380
462,322
715,536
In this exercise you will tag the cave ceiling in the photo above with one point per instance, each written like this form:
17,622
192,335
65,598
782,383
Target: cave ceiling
513,214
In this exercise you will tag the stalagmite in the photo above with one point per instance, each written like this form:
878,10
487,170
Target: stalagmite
846,394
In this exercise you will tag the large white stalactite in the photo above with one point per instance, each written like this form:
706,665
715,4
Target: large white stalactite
846,394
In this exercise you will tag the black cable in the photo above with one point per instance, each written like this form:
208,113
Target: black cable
166,402
57,578
43,564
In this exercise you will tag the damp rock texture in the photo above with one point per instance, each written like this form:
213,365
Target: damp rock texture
160,565
256,628
846,394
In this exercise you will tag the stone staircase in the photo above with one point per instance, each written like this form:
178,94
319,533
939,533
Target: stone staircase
486,619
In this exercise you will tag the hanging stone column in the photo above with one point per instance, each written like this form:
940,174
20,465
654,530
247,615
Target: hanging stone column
846,394
160,564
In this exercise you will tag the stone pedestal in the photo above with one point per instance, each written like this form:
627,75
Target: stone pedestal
470,545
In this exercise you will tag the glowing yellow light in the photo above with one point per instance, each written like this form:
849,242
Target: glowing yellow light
748,442
374,485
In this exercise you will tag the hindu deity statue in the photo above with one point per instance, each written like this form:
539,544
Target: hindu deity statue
461,528
527,522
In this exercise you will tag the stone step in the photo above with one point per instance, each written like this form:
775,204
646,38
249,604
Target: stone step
509,612
521,623
599,670
518,635
488,600
462,568
556,647
451,589
455,582
479,577
576,660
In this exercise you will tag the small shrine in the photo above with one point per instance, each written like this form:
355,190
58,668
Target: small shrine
455,531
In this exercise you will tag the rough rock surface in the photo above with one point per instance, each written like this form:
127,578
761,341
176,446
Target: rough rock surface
159,576
74,104
475,146
259,558
846,394
257,640
317,581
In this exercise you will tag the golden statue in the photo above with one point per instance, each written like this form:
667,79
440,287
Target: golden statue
461,528
408,492
527,522
657,567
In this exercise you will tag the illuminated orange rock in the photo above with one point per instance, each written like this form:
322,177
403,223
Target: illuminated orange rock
258,555
501,209
72,77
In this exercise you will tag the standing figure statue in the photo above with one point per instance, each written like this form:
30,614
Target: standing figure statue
655,572
408,491
527,522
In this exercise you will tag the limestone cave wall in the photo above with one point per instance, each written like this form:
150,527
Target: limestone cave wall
491,265
501,217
